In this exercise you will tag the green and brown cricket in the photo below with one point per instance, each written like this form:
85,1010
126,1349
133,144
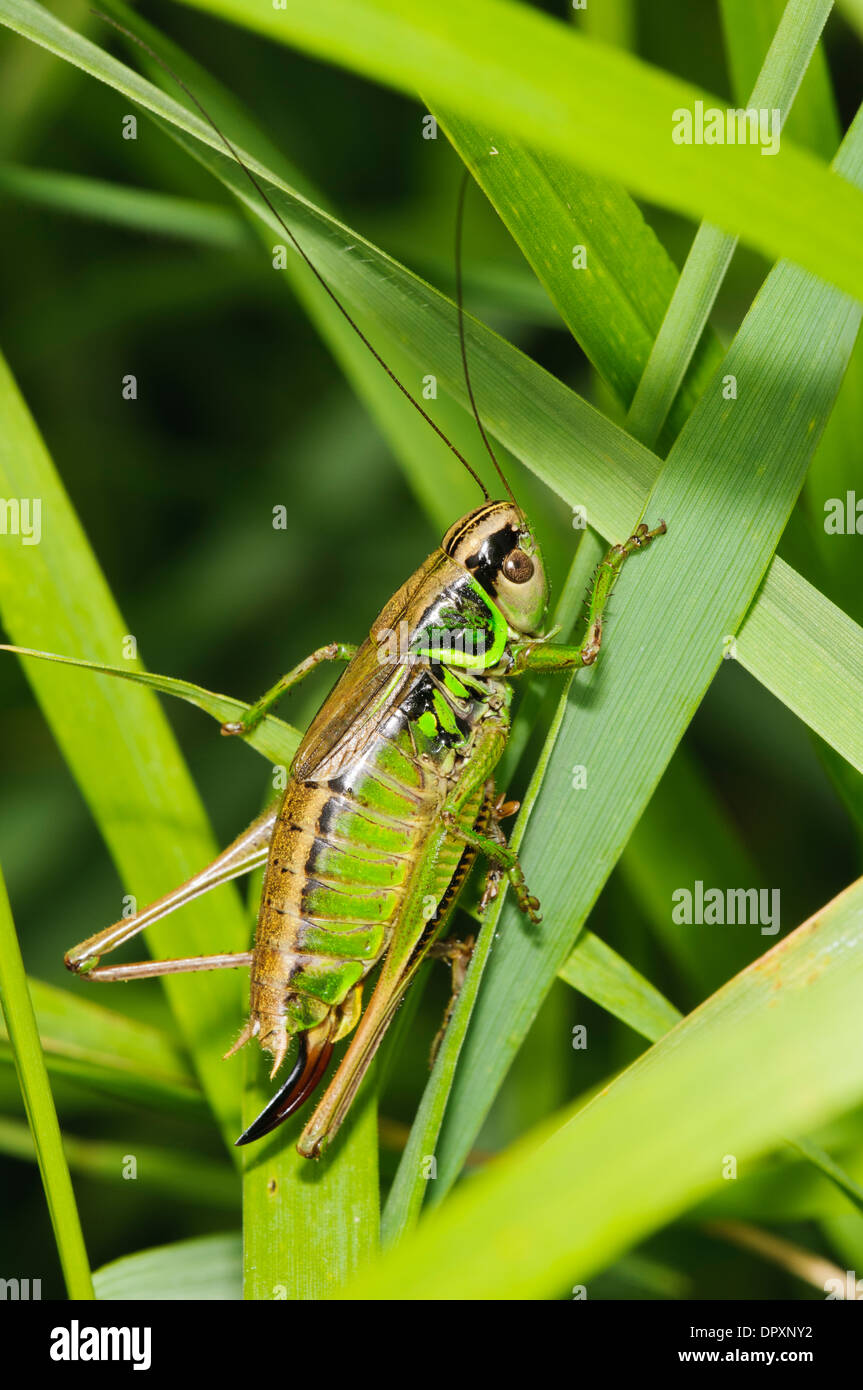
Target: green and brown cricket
390,798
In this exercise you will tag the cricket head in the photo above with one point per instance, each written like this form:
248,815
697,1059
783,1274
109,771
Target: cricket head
497,547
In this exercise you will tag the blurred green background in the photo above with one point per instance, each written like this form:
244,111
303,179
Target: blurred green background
240,408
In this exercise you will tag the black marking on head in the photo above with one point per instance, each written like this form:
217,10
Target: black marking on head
456,533
485,564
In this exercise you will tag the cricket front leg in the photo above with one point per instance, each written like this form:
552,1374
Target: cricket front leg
538,656
333,651
247,852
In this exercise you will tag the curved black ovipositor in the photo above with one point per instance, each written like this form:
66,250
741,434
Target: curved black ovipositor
305,1077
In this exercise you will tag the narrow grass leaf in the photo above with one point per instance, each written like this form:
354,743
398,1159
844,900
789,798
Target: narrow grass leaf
36,1090
613,303
205,1269
809,653
574,449
748,31
601,974
564,1202
85,1042
187,1177
585,101
118,745
273,738
137,209
832,1170
711,252
726,493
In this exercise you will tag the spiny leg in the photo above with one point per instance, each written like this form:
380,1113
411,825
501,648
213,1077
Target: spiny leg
333,651
539,656
244,854
459,954
144,969
498,812
495,849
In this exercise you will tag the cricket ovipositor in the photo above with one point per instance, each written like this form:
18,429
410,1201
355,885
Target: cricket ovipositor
390,797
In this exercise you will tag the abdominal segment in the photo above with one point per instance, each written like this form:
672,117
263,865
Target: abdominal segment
341,860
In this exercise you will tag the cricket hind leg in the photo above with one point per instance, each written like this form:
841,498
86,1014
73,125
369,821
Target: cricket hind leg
146,969
500,809
333,651
459,954
247,852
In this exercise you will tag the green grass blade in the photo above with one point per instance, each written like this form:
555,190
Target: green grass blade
711,252
748,31
228,112
584,101
42,1117
614,307
119,747
832,1169
681,330
807,651
602,974
409,1186
308,1227
206,1268
273,738
726,493
137,209
564,1202
87,1043
574,449
184,1176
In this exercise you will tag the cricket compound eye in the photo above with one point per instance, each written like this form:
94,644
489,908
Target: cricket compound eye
518,567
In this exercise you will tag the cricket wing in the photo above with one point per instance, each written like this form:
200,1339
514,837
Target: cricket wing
371,685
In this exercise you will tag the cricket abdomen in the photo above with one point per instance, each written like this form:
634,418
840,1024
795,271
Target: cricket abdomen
341,860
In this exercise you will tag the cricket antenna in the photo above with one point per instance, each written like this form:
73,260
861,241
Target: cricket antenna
157,58
459,294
